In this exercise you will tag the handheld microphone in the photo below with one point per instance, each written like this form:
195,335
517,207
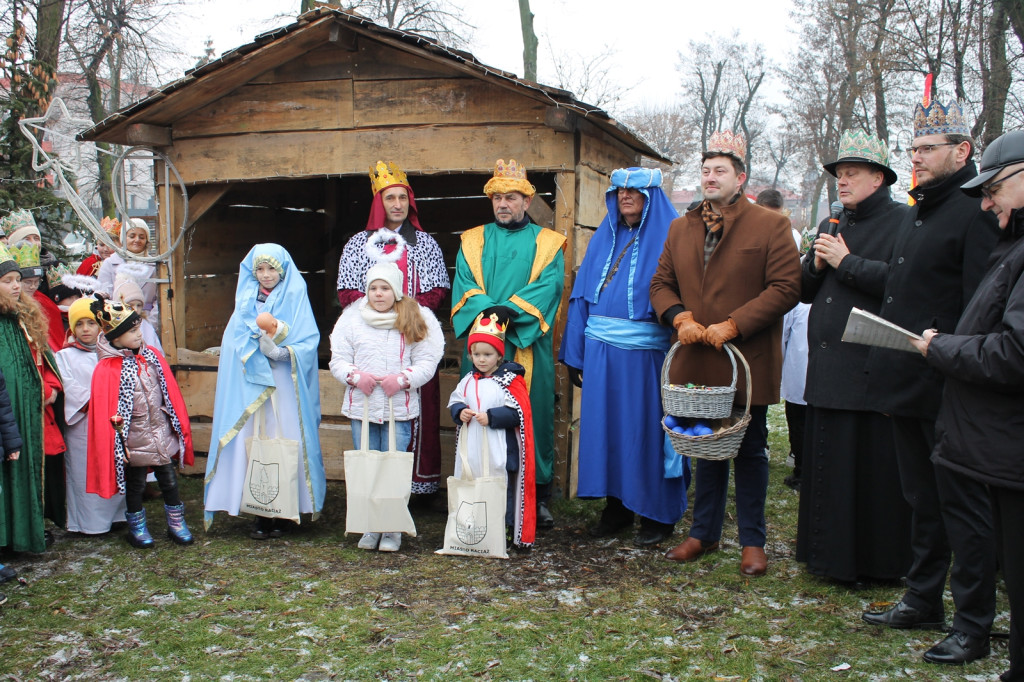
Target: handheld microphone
833,220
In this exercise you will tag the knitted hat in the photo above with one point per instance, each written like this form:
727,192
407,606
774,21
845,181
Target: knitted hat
126,291
78,310
388,272
19,225
509,177
487,328
114,318
856,146
7,261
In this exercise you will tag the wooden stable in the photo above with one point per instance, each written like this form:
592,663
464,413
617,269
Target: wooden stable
273,143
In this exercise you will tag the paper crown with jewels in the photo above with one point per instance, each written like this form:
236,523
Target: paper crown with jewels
936,119
488,328
27,255
509,177
114,318
55,274
857,146
18,225
728,143
384,175
112,226
7,261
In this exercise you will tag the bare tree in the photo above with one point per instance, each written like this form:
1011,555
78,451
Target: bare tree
436,19
669,132
590,79
721,80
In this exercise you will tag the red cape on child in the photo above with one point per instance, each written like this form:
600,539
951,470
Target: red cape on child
101,476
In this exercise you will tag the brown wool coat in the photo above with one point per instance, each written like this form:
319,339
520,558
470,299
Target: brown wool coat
753,277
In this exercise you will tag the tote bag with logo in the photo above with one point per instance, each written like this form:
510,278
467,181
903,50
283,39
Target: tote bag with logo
271,486
476,507
378,484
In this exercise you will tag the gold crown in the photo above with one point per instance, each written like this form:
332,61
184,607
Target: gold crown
16,220
7,257
489,326
55,274
112,226
727,142
858,144
386,174
936,119
509,177
26,253
114,318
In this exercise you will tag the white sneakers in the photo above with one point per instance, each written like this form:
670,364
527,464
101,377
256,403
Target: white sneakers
384,542
390,542
369,541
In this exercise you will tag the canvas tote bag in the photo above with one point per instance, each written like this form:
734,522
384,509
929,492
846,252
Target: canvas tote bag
271,486
378,484
476,507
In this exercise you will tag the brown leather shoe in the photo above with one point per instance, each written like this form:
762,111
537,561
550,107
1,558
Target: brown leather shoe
690,549
753,561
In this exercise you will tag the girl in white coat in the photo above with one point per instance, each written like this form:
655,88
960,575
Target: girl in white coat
384,346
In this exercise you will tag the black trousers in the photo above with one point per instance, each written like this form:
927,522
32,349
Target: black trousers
1008,516
135,484
951,515
796,420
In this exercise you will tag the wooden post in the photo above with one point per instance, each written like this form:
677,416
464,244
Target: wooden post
565,221
170,209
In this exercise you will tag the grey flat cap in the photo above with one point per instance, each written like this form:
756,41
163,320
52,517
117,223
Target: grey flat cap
1007,150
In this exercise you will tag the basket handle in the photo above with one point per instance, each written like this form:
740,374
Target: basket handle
729,348
746,371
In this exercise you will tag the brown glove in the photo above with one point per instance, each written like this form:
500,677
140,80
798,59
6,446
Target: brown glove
717,334
688,329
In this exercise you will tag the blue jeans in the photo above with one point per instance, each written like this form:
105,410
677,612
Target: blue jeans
712,487
379,435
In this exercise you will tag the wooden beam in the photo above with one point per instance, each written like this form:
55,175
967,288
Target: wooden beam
203,199
565,221
560,119
146,135
541,213
590,196
350,152
170,208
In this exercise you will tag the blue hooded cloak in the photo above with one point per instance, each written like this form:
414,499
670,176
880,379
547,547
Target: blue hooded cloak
245,378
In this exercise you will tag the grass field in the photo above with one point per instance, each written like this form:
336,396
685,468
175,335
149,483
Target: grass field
312,606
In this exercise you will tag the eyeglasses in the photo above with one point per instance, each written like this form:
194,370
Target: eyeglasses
928,148
987,192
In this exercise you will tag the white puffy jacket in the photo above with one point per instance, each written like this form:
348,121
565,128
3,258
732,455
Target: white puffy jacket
358,347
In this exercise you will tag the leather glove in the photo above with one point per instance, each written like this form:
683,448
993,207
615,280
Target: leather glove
688,330
393,383
717,334
364,381
271,349
575,376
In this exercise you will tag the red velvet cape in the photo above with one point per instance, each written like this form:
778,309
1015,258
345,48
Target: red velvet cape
101,476
529,525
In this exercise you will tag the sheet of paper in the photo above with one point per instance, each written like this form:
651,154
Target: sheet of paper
871,330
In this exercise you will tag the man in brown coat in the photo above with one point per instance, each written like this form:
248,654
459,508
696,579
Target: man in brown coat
729,272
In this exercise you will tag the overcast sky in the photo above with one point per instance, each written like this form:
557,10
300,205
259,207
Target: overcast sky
645,43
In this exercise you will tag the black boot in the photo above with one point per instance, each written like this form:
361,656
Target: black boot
614,518
544,518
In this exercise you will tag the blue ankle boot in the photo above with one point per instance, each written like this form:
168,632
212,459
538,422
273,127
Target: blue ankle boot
177,530
138,533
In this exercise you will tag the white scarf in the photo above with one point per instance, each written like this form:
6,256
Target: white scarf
376,319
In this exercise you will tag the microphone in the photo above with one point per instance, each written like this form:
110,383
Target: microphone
833,220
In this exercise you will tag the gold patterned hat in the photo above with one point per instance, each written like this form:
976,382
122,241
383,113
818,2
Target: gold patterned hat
728,143
857,146
383,175
489,329
27,255
7,261
509,177
18,225
55,273
112,226
114,318
936,119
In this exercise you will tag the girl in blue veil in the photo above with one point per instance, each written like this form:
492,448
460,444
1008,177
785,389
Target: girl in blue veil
253,365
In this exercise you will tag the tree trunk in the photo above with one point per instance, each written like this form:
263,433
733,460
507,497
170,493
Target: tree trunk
996,78
49,27
1014,10
529,41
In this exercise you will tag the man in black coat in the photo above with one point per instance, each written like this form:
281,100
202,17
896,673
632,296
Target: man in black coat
941,254
853,522
981,421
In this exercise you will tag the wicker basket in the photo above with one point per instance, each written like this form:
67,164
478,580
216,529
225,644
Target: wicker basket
723,444
711,402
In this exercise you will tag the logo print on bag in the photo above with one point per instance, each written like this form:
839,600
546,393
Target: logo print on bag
265,482
471,522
